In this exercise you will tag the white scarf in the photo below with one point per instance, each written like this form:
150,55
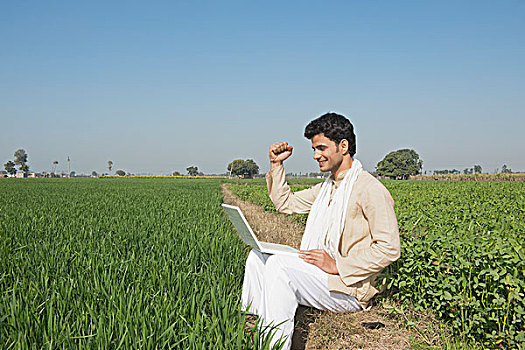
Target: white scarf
327,218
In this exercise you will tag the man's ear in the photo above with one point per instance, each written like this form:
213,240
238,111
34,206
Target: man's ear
344,146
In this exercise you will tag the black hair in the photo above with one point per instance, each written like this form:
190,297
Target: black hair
334,126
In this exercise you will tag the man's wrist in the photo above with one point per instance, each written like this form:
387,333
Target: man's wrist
274,165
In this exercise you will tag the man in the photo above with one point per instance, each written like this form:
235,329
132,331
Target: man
351,234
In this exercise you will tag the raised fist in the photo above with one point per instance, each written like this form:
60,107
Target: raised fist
279,152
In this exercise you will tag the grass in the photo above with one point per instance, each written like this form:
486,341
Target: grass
119,263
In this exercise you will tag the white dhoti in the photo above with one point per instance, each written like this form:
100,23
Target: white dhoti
274,285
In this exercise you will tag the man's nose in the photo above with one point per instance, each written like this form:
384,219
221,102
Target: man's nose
317,155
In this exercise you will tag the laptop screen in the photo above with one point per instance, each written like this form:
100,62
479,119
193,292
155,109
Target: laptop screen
241,225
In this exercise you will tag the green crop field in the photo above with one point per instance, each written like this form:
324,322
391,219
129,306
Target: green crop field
462,254
118,263
154,263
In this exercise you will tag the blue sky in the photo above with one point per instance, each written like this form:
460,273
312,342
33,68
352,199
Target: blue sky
159,86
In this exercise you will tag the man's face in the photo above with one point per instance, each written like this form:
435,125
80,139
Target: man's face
326,153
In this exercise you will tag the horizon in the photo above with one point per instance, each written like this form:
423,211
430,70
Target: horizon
160,87
183,172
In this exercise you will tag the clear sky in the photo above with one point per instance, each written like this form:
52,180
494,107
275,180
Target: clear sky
159,86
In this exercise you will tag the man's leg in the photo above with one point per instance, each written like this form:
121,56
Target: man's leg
253,281
289,281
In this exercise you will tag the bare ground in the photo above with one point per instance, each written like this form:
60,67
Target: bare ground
326,330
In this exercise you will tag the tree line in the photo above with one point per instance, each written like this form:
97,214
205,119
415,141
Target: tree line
400,164
239,167
403,163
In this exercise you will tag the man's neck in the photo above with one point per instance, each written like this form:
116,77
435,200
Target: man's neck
345,165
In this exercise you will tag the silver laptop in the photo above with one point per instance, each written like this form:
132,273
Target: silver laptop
246,234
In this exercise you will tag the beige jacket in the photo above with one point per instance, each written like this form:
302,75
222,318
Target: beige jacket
370,238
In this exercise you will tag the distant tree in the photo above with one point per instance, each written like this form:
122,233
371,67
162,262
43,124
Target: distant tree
192,170
20,156
316,174
10,167
120,172
477,169
236,167
400,164
72,174
94,173
55,163
246,168
505,169
468,171
21,160
110,165
251,167
176,173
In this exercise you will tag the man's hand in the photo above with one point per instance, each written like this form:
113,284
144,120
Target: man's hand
279,152
321,259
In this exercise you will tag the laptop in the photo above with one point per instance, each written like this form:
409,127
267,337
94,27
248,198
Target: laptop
246,234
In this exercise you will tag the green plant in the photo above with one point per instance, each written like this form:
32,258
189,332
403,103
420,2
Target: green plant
126,263
462,254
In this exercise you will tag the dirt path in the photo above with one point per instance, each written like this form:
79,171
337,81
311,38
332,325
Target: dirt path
326,330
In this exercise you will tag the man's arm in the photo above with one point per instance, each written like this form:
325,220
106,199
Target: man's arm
286,201
283,198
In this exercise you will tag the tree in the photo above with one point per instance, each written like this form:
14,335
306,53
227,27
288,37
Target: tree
110,165
251,168
400,164
21,160
246,168
10,167
192,170
55,163
94,173
24,168
120,172
505,169
176,173
477,169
